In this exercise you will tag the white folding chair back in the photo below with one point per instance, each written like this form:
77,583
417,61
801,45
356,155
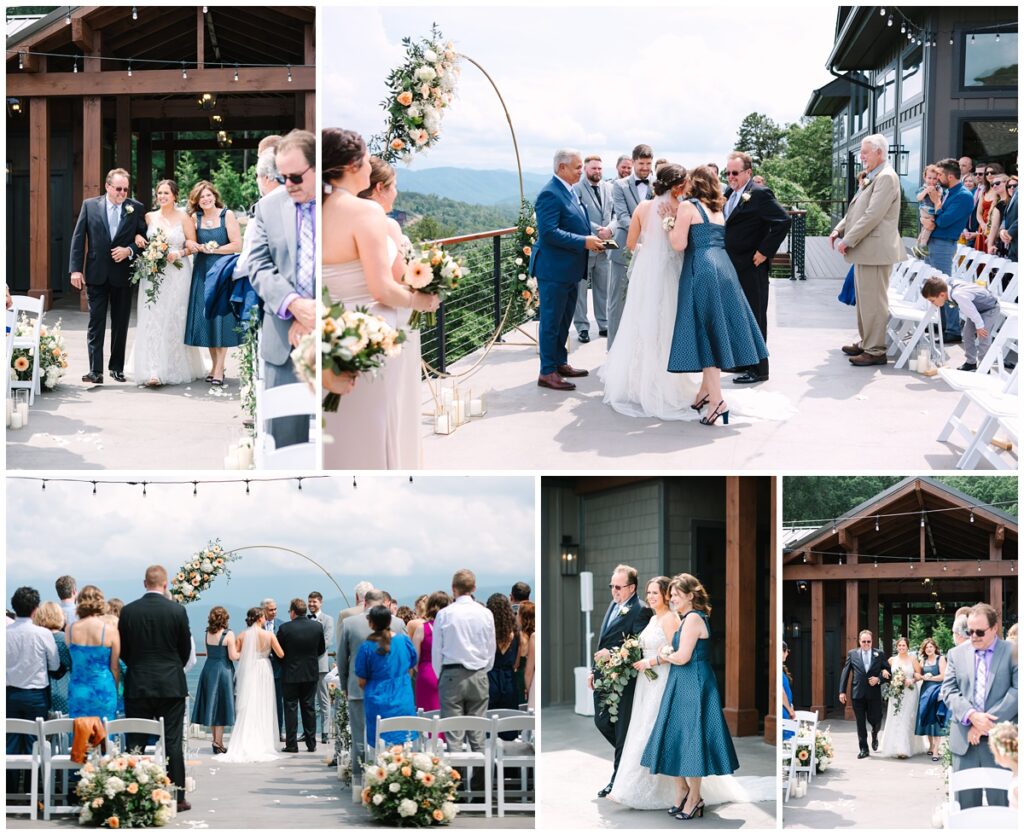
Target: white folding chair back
912,323
418,730
30,341
976,778
980,818
787,756
54,762
468,760
519,753
1006,282
809,720
150,727
30,762
294,399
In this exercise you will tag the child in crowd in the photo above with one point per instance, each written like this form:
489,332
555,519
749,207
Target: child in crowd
978,308
1002,742
929,201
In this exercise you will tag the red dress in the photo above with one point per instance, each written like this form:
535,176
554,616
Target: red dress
981,241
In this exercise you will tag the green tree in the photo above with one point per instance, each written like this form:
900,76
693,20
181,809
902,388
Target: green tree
761,137
807,157
186,172
228,183
250,188
943,635
429,229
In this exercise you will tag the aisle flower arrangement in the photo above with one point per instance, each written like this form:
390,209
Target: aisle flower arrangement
53,357
410,788
122,791
342,733
199,572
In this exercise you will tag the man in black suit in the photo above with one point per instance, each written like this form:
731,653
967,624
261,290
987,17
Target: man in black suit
869,668
303,643
273,623
155,646
109,223
755,227
626,617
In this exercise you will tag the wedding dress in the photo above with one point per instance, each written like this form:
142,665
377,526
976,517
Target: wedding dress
159,352
637,382
255,733
634,785
898,739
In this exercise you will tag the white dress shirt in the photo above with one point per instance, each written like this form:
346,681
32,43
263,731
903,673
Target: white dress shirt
464,634
70,611
31,652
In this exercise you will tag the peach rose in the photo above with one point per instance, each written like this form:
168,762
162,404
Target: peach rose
133,788
397,144
405,98
437,815
113,822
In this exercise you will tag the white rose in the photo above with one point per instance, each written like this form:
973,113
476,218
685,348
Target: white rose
449,810
426,73
519,262
407,808
392,768
186,588
430,55
378,799
414,111
394,788
422,762
206,567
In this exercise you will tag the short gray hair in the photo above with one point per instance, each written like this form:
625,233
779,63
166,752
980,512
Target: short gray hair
563,156
373,596
878,142
362,588
960,626
266,166
267,601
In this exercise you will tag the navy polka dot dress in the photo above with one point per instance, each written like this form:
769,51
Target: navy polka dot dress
690,737
715,327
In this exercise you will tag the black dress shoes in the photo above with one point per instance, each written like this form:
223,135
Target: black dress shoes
117,375
323,738
968,366
291,749
603,332
952,339
862,755
584,336
874,740
92,378
607,790
184,806
750,377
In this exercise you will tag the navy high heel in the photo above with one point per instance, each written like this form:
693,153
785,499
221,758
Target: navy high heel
698,406
698,812
709,420
675,810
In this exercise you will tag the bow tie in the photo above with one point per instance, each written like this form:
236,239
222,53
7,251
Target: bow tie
311,617
644,181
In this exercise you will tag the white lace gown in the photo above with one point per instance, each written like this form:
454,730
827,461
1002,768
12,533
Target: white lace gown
254,736
898,739
159,351
636,379
634,785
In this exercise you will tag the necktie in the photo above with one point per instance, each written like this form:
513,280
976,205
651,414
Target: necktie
597,196
113,219
865,657
304,273
981,679
734,198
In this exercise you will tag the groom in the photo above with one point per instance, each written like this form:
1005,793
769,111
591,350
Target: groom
626,617
109,224
303,643
869,668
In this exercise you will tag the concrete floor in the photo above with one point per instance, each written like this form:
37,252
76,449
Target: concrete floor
577,761
872,419
875,792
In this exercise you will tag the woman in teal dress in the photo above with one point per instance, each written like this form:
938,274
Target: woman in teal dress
715,327
932,715
51,616
215,695
217,235
787,691
690,739
384,666
95,651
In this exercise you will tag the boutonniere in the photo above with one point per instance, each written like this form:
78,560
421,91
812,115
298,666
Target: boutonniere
129,209
624,610
745,197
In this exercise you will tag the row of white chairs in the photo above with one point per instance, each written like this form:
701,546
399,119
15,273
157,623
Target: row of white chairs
34,308
982,817
804,724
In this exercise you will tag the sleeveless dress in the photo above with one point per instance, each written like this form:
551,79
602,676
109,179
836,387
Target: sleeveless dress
932,714
254,735
159,351
220,331
426,679
715,326
388,690
690,737
59,686
91,691
377,426
898,739
215,695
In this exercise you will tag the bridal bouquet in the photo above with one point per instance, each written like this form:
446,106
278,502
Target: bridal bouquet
432,270
614,673
897,686
354,341
410,788
53,359
198,573
151,263
121,790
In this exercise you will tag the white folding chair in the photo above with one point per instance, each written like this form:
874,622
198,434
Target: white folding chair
990,374
787,756
30,342
809,720
518,753
294,399
54,763
466,759
418,730
980,818
149,727
913,322
976,778
1004,285
30,762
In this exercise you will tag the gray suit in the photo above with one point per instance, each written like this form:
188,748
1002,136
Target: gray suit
598,265
323,696
1000,700
272,266
625,199
347,613
353,632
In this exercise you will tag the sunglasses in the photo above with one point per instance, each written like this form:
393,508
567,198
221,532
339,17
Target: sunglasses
978,633
119,189
865,640
294,179
733,173
998,182
614,587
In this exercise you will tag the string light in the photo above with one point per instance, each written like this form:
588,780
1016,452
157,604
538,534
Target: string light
289,73
183,73
972,37
950,38
94,488
205,9
67,17
143,489
922,519
300,483
354,485
828,520
129,69
44,484
833,526
903,28
889,23
876,523
972,515
997,37
236,72
247,487
882,12
76,66
195,488
135,12
21,64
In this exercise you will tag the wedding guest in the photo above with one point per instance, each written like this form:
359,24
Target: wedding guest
501,678
418,618
215,696
966,166
867,667
271,622
1008,230
95,649
315,602
405,615
423,641
520,593
374,427
462,654
268,143
932,717
113,612
959,627
929,201
527,618
985,204
390,602
627,193
1002,742
50,616
623,166
217,235
869,238
1011,634
717,171
978,307
787,691
596,197
757,180
384,666
353,632
361,588
971,186
67,591
1000,197
266,182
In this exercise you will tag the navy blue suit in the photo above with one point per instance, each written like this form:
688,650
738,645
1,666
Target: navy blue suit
559,262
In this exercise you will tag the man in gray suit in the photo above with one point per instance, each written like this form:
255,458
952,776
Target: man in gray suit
353,632
980,689
315,602
596,197
361,589
627,194
282,269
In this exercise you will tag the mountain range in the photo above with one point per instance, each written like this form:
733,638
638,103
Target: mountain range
478,187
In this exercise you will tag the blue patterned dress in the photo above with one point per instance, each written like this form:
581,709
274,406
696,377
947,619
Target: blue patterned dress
59,686
91,691
690,737
932,714
215,695
220,331
715,327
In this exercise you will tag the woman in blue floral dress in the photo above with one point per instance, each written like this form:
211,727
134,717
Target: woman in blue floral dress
95,650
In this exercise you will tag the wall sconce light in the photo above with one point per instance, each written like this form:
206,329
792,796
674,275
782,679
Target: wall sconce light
207,101
570,557
14,107
794,628
801,586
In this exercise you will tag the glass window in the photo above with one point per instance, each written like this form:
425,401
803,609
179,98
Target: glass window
989,62
860,104
913,74
910,141
994,141
885,92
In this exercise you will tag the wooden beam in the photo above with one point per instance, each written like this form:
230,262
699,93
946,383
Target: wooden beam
998,538
28,62
82,34
227,106
899,571
774,651
39,200
852,627
200,38
238,143
92,63
818,647
92,158
739,700
166,82
123,132
873,606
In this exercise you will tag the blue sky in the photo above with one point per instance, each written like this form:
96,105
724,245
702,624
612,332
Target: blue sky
602,78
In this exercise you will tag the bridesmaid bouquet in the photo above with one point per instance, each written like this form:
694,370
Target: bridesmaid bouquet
122,790
615,672
432,270
151,263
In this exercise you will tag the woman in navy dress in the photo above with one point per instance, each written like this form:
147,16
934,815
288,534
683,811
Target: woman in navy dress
690,739
217,234
215,696
501,678
95,651
384,666
715,327
932,716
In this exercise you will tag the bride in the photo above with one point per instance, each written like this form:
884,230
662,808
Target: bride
255,733
898,739
160,356
635,786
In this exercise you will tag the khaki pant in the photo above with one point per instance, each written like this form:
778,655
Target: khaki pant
463,692
872,284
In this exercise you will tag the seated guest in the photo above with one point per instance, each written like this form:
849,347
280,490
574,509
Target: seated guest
384,666
979,308
50,616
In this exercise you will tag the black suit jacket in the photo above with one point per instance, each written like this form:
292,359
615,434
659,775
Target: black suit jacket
303,643
97,265
630,624
759,224
854,664
155,646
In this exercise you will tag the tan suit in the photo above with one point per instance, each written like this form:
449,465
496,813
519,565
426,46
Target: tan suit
871,230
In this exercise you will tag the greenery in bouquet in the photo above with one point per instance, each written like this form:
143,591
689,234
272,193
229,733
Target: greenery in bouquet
199,572
353,342
53,359
432,270
897,687
247,363
419,91
614,673
525,297
304,360
342,733
824,751
410,788
122,791
151,263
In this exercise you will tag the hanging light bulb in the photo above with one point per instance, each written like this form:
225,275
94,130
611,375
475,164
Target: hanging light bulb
75,68
876,562
129,69
143,489
247,487
354,485
21,64
997,37
236,72
410,479
184,74
903,28
67,17
195,488
876,524
289,73
135,12
889,22
205,9
972,515
44,488
972,37
300,483
94,488
833,526
950,38
882,12
922,518
979,565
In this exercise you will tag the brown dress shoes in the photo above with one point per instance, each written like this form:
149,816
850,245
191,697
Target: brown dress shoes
569,371
869,359
553,381
853,350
